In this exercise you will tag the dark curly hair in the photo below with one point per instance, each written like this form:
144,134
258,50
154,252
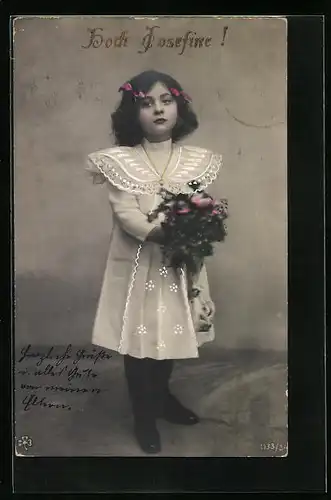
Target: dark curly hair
125,124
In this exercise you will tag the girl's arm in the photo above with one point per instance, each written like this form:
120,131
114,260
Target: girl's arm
203,285
132,220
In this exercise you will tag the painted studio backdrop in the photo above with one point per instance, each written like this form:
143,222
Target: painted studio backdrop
66,75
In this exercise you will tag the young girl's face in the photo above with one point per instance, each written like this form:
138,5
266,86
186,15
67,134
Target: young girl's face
158,113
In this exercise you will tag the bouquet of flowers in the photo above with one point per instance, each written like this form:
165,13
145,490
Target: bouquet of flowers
193,222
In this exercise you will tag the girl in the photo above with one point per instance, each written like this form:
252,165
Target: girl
143,311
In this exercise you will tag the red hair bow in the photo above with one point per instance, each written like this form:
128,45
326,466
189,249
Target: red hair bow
177,93
126,86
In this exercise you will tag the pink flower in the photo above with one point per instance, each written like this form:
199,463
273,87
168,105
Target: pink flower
196,197
183,210
201,201
215,212
175,92
126,86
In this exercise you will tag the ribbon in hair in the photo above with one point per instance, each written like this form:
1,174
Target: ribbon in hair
128,87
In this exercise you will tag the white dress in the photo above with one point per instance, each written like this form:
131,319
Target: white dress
143,308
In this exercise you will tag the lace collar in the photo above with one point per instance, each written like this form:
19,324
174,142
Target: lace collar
129,169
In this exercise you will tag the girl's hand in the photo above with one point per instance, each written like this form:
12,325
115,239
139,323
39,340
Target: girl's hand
209,308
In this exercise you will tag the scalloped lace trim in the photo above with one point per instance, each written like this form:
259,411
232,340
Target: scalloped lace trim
132,281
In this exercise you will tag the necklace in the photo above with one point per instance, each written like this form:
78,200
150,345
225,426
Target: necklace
154,170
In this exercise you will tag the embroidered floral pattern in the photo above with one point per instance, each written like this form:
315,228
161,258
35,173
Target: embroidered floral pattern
173,287
178,329
163,271
149,285
141,330
162,308
160,345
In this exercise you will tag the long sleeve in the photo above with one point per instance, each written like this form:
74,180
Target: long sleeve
203,283
126,209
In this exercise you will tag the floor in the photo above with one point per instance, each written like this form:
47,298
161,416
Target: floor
241,398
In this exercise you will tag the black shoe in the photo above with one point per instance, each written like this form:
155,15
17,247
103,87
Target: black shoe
175,413
148,437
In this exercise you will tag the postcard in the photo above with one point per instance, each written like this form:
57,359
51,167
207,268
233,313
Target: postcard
150,236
